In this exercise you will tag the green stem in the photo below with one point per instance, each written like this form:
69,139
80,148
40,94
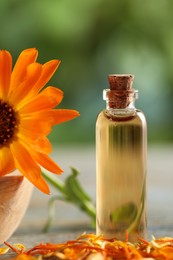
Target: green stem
136,221
54,182
51,212
71,192
139,214
89,208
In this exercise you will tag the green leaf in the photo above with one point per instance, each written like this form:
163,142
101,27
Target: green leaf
125,214
73,188
72,192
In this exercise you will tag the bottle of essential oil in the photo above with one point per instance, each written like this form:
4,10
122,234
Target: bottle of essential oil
121,155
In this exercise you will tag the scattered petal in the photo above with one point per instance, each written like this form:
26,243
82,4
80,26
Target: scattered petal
91,247
4,250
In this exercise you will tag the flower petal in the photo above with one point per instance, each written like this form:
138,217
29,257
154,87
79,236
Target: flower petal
33,73
26,57
27,166
56,116
46,162
49,69
7,164
5,73
33,115
40,143
29,134
63,115
34,126
47,99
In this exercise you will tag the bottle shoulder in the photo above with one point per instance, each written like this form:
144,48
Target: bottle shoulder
122,116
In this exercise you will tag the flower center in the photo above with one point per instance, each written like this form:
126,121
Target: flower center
8,123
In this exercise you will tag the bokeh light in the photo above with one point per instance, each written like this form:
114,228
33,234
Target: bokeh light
94,38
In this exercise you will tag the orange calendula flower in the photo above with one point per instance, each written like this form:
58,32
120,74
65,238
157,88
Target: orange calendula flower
27,116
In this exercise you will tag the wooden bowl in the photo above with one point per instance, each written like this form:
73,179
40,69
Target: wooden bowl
15,194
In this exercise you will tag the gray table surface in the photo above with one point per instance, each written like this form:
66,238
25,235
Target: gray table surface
70,221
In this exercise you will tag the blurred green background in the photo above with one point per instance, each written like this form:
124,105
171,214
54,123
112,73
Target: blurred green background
94,38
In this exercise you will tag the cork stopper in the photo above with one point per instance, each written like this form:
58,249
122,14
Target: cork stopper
121,82
121,92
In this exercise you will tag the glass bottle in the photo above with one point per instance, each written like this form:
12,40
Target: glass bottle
121,163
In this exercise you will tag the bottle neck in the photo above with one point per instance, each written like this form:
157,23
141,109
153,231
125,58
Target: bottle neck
121,112
130,107
120,100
